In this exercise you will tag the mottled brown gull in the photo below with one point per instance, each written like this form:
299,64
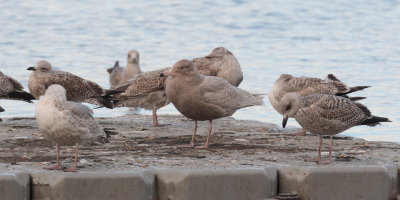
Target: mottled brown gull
221,63
326,115
147,90
120,75
201,98
78,89
66,123
305,86
12,89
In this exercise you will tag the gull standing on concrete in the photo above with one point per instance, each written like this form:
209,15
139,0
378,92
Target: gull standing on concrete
78,89
305,86
326,115
201,98
120,75
66,123
147,90
12,89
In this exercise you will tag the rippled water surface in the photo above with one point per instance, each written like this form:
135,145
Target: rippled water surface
358,41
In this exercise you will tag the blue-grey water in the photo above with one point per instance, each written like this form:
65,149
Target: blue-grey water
359,41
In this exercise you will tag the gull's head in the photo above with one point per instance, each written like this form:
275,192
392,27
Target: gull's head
41,66
181,68
290,104
133,57
56,91
220,51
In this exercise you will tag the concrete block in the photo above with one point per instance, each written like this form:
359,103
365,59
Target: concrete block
218,184
14,186
339,182
99,186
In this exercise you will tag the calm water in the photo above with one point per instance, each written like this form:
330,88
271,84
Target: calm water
356,40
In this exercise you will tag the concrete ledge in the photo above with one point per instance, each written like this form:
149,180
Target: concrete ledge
218,184
118,185
340,182
14,186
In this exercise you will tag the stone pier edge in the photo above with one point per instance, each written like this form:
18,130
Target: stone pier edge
316,182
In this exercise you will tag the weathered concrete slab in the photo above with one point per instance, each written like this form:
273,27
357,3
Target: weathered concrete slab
96,186
14,186
218,184
333,182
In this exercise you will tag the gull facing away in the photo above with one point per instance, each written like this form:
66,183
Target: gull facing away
201,98
78,89
305,86
115,73
122,75
147,90
66,123
13,90
326,115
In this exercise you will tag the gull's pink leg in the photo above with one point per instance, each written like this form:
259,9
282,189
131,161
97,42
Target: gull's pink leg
74,168
301,133
155,119
330,151
205,146
57,167
191,144
319,149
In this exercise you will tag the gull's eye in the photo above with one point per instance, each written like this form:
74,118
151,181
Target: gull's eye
181,67
289,107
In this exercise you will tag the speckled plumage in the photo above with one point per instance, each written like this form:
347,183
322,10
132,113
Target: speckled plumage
324,114
66,122
122,75
145,90
78,89
12,89
221,63
329,114
306,86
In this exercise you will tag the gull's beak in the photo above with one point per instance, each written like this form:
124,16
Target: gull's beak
284,121
31,68
1,109
166,73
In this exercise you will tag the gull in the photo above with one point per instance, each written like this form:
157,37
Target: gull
305,86
324,114
201,98
78,89
66,123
